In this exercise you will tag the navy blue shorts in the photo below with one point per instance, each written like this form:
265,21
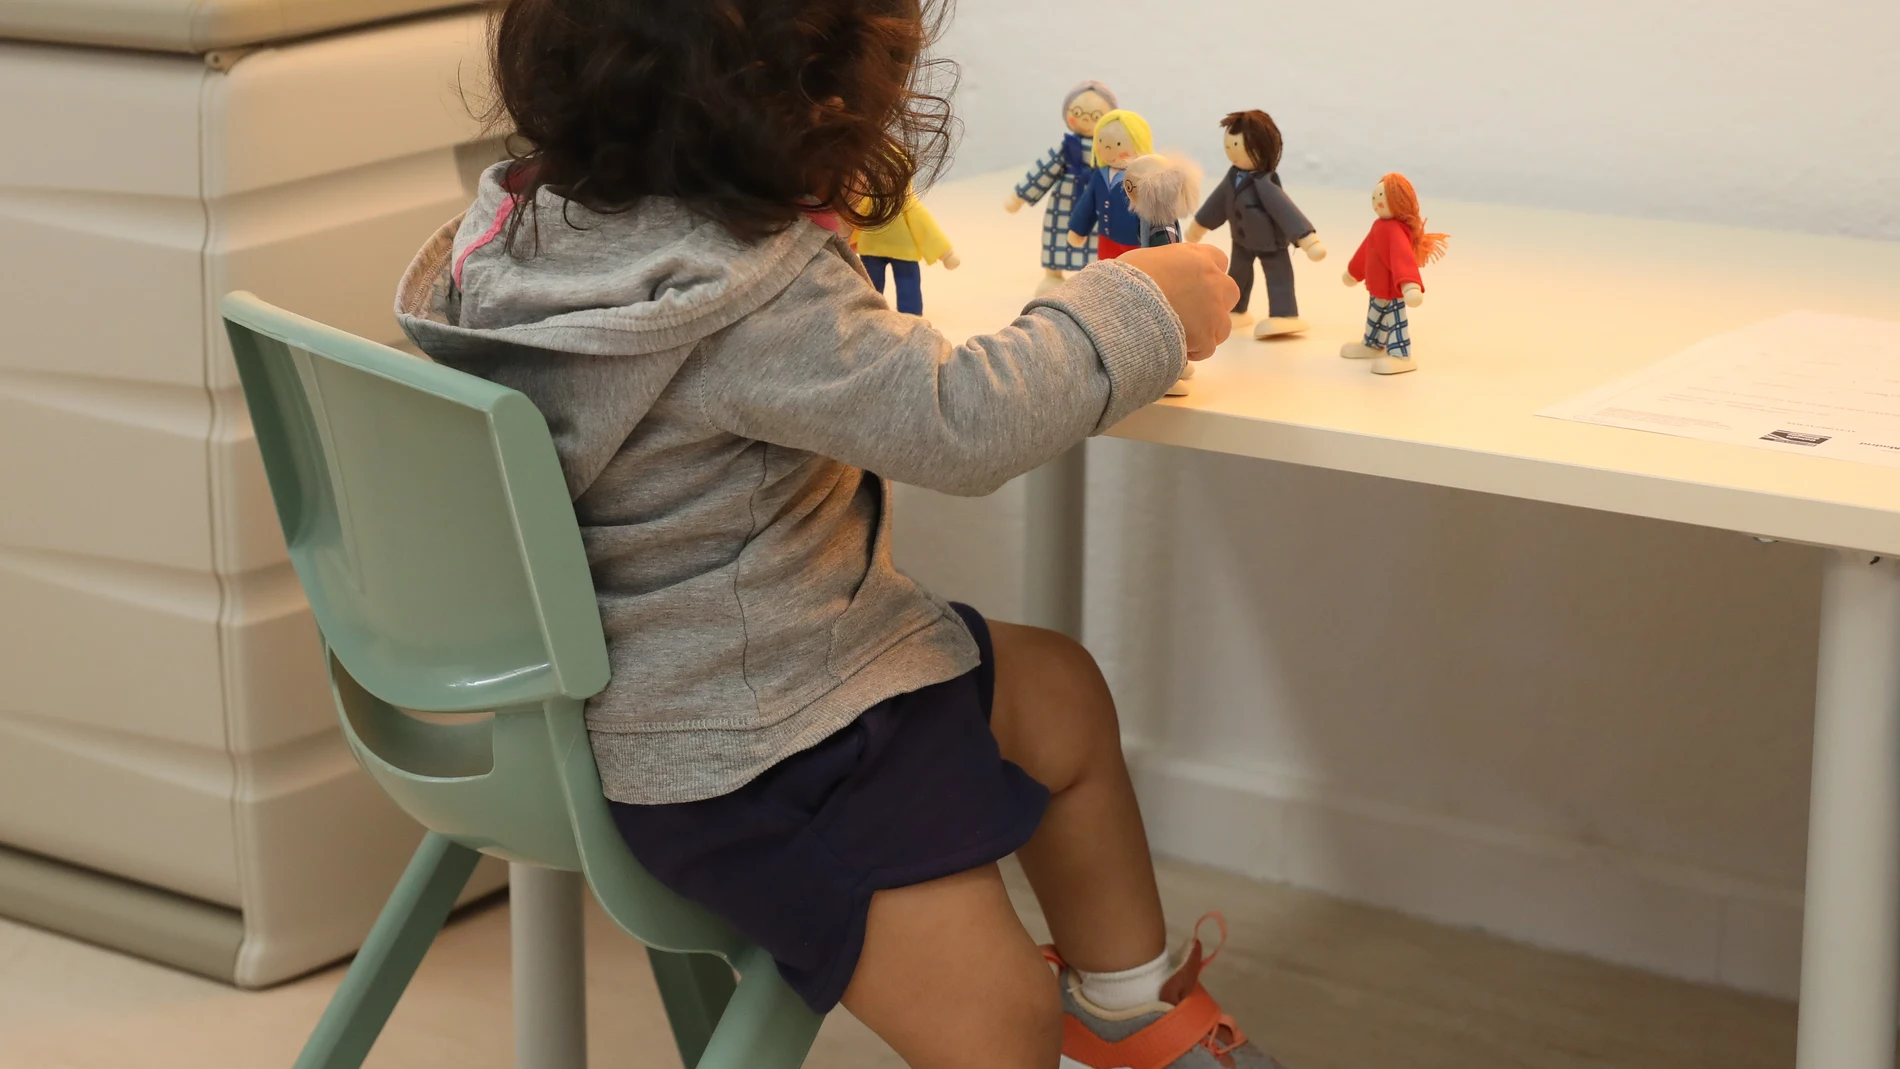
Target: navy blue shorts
912,791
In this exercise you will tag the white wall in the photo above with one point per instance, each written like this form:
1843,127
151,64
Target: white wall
1758,112
1580,730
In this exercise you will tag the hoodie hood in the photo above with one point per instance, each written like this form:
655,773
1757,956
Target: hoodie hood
650,280
596,317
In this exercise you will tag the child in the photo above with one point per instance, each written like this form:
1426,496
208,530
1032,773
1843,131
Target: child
797,735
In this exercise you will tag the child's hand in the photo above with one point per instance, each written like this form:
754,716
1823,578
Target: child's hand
1195,282
1014,204
951,261
1349,280
1414,294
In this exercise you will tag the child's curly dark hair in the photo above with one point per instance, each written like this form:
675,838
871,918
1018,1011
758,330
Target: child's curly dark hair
748,112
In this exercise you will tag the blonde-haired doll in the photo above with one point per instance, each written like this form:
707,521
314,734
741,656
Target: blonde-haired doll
1120,139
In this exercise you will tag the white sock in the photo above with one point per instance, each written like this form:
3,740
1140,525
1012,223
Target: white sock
1117,992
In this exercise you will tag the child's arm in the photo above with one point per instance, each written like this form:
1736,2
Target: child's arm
826,367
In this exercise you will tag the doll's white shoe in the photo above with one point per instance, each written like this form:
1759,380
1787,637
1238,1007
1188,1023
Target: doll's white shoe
1393,365
1048,284
1242,320
1180,387
1356,351
1279,327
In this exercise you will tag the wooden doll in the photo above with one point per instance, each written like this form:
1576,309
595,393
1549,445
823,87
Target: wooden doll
1388,263
1161,190
1102,204
1059,175
901,247
1262,220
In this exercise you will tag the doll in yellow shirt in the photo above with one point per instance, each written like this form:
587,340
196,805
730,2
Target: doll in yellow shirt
901,248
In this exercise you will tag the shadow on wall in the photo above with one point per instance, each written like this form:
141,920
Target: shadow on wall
1579,729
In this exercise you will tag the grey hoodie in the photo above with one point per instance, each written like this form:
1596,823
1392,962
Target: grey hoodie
718,409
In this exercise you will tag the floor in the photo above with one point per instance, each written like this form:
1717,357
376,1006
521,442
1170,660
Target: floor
1330,985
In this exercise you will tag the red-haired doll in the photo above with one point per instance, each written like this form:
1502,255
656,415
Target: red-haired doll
1388,263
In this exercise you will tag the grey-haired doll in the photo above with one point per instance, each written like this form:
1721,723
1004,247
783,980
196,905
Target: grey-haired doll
1163,190
1061,171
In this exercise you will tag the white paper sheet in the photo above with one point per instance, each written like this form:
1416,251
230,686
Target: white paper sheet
1806,382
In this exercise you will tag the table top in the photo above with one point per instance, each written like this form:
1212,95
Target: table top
1530,307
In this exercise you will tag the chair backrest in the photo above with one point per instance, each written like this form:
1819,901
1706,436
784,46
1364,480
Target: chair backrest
431,529
426,516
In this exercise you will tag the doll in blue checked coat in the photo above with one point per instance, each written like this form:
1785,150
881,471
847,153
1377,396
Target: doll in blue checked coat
1061,172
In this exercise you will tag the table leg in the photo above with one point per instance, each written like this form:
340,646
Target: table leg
1052,554
550,967
1852,925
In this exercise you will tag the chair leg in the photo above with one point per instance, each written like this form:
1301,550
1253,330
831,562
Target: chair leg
766,1026
550,967
384,966
696,989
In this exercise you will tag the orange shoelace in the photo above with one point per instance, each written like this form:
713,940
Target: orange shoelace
1235,1037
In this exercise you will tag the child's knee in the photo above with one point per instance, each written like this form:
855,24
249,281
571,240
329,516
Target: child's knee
1054,715
1077,681
1049,658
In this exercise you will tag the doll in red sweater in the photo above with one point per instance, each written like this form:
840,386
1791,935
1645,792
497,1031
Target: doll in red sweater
1388,263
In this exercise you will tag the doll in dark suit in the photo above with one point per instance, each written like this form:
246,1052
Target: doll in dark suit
1265,222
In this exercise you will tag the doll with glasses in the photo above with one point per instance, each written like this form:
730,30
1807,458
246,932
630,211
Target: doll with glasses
1163,190
1059,176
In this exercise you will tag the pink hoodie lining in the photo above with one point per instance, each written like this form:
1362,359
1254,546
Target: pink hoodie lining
501,220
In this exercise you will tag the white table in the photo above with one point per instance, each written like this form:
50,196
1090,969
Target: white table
1533,307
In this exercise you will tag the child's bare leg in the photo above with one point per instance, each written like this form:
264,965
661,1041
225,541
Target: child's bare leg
1089,861
949,978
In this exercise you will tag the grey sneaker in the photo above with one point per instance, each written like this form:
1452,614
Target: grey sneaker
1185,1030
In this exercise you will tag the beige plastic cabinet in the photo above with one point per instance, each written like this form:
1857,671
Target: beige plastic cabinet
171,778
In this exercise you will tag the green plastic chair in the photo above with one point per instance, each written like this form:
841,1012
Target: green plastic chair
431,528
